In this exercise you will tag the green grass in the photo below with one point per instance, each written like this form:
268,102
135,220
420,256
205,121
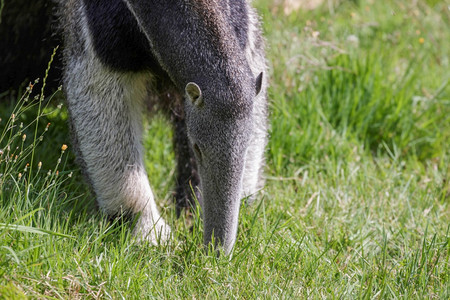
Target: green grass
356,203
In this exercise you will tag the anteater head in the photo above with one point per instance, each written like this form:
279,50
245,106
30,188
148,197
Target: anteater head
219,119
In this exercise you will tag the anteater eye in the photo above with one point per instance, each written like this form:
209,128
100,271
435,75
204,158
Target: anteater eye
197,151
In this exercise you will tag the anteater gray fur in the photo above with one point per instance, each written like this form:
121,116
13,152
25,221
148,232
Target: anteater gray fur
203,61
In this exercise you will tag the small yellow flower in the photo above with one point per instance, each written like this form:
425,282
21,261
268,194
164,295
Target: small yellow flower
20,175
24,137
64,147
421,40
39,165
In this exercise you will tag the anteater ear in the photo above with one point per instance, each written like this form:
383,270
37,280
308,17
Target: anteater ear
259,83
194,93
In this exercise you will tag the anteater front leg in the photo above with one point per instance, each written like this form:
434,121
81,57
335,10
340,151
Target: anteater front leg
105,111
